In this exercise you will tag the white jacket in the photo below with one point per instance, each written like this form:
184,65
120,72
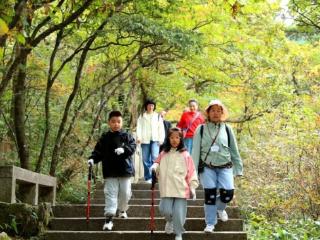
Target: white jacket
157,129
176,174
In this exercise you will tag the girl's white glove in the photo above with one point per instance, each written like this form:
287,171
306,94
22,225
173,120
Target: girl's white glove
193,193
154,167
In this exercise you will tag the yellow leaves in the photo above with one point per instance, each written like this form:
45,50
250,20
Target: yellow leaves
91,69
314,72
163,3
318,121
60,89
3,28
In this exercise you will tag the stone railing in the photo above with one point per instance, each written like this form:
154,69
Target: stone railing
18,184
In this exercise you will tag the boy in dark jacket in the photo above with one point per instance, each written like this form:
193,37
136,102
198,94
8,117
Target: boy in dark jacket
115,149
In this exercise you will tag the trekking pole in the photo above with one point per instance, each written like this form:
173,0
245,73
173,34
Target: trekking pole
152,210
89,192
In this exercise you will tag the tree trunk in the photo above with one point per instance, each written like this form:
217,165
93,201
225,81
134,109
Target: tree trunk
13,63
50,82
57,145
19,90
94,126
134,99
11,67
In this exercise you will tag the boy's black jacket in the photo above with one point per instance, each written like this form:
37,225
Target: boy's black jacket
114,165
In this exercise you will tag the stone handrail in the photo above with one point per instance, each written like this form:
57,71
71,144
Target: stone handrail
31,187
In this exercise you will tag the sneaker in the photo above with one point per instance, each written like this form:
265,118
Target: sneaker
123,214
149,181
108,226
168,228
223,215
209,229
178,237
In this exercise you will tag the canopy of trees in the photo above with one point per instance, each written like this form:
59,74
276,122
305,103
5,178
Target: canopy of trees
64,64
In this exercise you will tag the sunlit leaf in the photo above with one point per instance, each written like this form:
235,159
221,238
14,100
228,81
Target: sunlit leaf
3,27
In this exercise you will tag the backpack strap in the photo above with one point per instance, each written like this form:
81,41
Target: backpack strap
228,133
227,130
201,130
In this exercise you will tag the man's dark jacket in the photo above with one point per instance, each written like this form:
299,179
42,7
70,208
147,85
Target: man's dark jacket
114,165
167,125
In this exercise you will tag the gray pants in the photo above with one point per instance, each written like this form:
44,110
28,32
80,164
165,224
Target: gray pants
117,193
175,210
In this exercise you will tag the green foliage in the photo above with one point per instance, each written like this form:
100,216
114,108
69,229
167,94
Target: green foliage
74,192
11,226
21,220
306,25
267,76
260,228
186,41
4,236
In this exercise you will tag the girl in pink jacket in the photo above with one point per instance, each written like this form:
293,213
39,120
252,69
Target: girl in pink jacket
177,178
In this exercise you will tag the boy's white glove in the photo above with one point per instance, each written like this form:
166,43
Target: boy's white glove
90,162
193,193
119,150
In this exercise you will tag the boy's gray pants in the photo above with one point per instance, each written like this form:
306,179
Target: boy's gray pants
175,210
117,193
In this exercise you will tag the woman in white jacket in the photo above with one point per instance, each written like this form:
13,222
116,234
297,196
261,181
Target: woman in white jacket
150,134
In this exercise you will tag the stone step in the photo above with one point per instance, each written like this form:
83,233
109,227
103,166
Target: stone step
70,222
137,224
147,201
134,186
143,194
137,186
142,235
96,210
142,186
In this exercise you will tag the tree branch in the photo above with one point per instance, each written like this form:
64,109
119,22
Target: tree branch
61,25
45,21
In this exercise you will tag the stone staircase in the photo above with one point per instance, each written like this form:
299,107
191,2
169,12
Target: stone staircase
69,221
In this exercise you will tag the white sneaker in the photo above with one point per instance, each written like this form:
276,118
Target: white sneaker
178,237
123,214
149,181
209,229
223,215
168,228
108,226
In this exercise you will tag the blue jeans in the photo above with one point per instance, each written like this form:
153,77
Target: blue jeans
188,144
174,210
216,178
149,153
